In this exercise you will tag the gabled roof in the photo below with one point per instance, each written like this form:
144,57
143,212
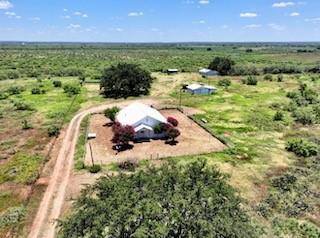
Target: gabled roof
136,112
198,86
143,126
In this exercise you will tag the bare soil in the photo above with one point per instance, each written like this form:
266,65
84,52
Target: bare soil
192,141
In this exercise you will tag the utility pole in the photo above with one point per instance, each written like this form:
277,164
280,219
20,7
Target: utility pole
92,161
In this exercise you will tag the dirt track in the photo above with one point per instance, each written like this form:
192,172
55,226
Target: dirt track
49,211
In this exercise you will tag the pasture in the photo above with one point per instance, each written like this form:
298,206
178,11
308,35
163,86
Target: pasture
241,115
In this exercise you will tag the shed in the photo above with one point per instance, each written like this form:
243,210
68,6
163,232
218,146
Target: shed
172,71
201,89
208,72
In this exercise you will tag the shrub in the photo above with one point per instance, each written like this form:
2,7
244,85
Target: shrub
174,122
278,116
158,129
304,116
284,182
11,216
38,91
22,106
125,80
129,165
302,147
169,201
26,125
95,168
3,95
280,78
268,77
71,89
252,81
224,83
111,113
53,131
222,64
14,90
57,83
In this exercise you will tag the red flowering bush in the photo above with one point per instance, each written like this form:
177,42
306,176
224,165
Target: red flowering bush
174,122
122,134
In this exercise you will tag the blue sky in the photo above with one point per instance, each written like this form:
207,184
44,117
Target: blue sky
159,21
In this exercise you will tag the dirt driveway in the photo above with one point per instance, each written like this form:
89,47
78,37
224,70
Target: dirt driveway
192,141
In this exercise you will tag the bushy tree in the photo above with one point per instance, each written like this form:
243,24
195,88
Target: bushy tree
125,80
172,134
111,113
168,201
222,64
122,135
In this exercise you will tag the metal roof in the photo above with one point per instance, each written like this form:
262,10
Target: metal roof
136,112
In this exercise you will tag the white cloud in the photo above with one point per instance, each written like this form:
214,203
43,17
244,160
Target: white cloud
74,26
224,27
204,2
283,4
135,14
80,14
276,27
316,19
65,9
248,14
119,29
35,19
295,14
252,26
12,15
4,4
66,17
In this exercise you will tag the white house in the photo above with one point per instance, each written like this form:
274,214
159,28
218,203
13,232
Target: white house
201,89
143,119
208,72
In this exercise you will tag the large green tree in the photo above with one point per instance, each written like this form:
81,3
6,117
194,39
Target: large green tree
222,64
170,201
125,80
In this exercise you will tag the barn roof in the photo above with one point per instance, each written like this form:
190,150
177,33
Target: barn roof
136,112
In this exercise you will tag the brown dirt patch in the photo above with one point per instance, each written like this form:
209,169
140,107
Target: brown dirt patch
192,141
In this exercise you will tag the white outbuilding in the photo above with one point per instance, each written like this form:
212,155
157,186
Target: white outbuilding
208,72
143,119
201,89
172,71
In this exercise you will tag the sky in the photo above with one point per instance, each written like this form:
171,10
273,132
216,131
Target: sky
159,21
